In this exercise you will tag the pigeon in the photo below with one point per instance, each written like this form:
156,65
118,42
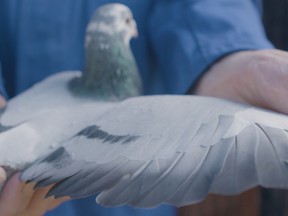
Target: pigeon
49,107
92,134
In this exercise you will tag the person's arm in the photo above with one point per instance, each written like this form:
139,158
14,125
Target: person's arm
255,77
188,37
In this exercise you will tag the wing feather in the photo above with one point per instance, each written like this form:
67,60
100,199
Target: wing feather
172,149
239,171
271,168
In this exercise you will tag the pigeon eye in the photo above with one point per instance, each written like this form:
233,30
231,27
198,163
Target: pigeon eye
128,20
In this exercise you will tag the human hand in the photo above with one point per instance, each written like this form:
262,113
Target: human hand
254,77
19,198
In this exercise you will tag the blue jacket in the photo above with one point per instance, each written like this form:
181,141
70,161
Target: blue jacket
179,40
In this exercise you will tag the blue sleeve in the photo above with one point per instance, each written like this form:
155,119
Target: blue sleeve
2,88
189,35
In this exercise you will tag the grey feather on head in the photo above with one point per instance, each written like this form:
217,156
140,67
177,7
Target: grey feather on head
113,19
110,71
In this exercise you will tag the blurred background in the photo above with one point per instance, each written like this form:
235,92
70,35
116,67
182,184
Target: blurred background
275,17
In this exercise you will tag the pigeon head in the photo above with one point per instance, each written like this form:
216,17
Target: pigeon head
112,19
110,71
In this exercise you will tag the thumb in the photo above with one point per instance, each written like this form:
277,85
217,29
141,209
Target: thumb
3,176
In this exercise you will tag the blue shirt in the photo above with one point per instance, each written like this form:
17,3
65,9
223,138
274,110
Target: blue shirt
179,40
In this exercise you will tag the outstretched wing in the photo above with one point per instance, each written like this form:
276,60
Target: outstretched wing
168,149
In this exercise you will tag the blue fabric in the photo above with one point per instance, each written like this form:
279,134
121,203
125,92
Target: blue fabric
39,38
87,207
2,89
179,40
188,36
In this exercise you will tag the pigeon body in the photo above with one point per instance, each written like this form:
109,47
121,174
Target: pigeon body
78,132
48,108
35,128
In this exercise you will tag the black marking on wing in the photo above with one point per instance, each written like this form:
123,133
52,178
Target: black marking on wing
58,156
94,132
5,128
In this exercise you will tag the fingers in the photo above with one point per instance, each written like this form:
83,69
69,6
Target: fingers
15,196
39,204
20,199
57,202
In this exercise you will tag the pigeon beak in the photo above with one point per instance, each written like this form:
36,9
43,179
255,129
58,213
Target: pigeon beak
135,30
135,34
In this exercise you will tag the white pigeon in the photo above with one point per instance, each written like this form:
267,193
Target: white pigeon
140,151
49,108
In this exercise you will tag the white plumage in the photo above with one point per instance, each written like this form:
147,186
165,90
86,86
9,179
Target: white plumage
147,150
